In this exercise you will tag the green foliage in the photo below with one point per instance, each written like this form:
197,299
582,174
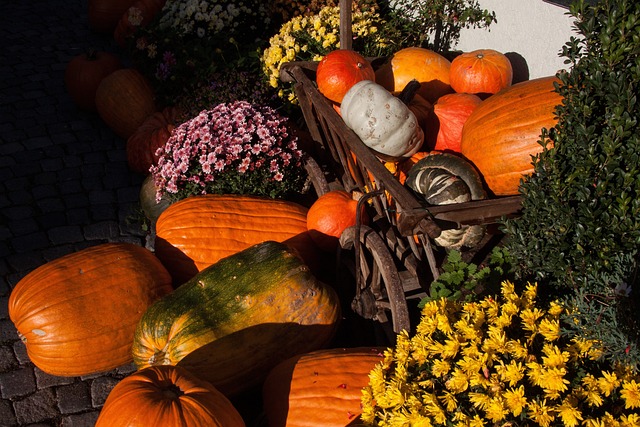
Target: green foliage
462,281
433,24
579,233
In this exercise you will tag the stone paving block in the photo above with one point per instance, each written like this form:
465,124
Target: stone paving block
8,360
8,331
17,383
30,242
51,204
24,226
52,220
7,416
66,234
100,389
44,380
20,350
38,407
24,262
73,398
78,216
101,230
18,212
101,197
20,198
87,419
46,189
104,212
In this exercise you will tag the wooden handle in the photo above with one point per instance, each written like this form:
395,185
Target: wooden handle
346,35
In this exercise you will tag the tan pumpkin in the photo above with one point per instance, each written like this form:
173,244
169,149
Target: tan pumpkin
501,135
382,121
320,388
77,314
169,396
124,100
196,232
428,67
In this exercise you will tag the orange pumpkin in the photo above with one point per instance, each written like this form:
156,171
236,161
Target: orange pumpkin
329,216
104,14
501,135
483,72
139,14
339,70
320,388
77,314
124,100
152,134
452,111
428,67
85,72
196,232
168,396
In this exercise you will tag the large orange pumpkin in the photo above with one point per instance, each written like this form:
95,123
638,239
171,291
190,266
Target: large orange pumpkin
196,232
124,100
104,14
320,388
329,216
77,314
85,72
501,135
483,72
167,396
152,134
428,67
339,70
452,111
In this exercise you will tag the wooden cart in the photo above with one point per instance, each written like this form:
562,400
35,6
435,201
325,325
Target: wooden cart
397,261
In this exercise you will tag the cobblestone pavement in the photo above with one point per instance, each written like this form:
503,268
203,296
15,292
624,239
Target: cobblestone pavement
64,186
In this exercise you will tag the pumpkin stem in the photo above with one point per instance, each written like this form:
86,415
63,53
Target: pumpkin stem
409,91
92,54
172,391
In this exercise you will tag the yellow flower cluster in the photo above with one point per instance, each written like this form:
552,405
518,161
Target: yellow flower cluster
498,363
309,38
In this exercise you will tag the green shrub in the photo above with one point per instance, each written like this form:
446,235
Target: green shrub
579,234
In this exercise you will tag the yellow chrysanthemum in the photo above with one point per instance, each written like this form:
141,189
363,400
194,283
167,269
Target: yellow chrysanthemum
550,329
569,413
510,373
440,368
554,357
458,382
515,400
608,382
540,413
630,394
496,410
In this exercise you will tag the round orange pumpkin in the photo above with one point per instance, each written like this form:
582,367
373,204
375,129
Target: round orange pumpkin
152,134
168,396
339,70
501,135
483,72
104,14
452,111
428,67
196,232
77,314
85,72
320,388
124,100
329,216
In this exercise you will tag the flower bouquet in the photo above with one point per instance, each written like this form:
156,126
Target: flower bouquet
499,362
234,148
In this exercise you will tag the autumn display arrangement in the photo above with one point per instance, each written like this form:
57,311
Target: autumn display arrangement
239,293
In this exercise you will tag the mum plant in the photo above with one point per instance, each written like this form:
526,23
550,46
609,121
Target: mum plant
234,148
499,361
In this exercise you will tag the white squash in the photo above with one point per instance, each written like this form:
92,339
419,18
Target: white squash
382,121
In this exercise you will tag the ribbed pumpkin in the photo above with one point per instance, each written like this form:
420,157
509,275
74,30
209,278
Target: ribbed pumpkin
236,320
483,72
141,12
443,179
124,100
77,314
148,203
339,70
167,396
104,14
330,215
502,134
452,111
83,75
152,134
196,232
320,388
428,67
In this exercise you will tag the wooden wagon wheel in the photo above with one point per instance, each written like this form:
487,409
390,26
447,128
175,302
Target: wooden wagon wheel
379,294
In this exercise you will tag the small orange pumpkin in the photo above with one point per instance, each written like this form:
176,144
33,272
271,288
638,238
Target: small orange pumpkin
329,216
452,111
321,388
168,396
124,100
85,72
339,70
483,72
428,67
501,135
152,134
104,14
